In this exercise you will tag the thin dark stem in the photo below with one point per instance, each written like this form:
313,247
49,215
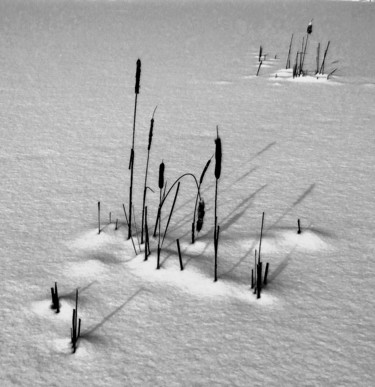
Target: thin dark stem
166,195
170,214
132,170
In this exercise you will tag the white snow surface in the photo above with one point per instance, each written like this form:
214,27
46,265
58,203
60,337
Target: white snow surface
293,149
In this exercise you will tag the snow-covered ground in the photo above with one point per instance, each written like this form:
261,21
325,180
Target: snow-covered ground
292,149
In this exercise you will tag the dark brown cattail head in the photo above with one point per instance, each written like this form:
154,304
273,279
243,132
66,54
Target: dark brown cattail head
218,156
161,175
137,76
201,213
204,171
150,134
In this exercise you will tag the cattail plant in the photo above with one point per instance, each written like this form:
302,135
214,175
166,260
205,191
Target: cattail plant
218,158
260,64
321,71
161,185
201,204
75,331
317,58
55,299
287,66
98,217
266,274
257,282
179,255
260,53
201,213
150,134
299,227
132,152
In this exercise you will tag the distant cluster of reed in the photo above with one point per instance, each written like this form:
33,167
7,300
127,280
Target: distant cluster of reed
298,66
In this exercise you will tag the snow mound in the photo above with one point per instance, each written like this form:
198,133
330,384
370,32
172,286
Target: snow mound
90,269
192,281
287,74
274,242
91,240
43,309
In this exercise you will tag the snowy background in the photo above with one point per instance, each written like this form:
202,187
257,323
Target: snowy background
291,149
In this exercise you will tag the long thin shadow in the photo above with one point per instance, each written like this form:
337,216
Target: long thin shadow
72,295
245,256
270,145
245,175
295,203
227,221
105,319
282,265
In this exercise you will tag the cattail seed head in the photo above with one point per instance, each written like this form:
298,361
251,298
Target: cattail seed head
204,171
201,213
137,76
150,134
161,175
218,157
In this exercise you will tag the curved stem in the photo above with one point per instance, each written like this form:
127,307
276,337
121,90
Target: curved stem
166,195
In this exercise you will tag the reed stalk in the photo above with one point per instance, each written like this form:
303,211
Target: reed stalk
150,135
161,185
170,214
287,66
260,240
75,331
196,201
218,159
127,222
99,217
321,71
132,152
266,274
179,255
55,299
317,58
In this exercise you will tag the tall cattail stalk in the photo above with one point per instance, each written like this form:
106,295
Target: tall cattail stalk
132,152
266,274
196,202
304,53
260,53
161,185
321,71
218,158
255,271
98,217
287,66
150,134
179,255
147,248
261,235
317,58
75,331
